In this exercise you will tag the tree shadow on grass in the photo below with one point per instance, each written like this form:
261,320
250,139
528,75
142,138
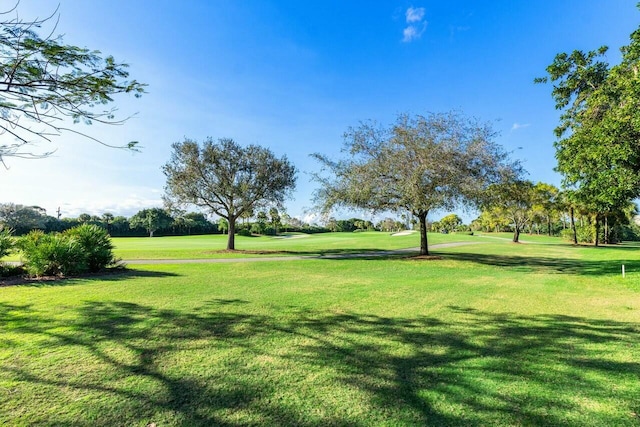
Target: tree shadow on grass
110,275
126,363
528,263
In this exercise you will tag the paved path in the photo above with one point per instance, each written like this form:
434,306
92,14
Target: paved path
509,239
291,258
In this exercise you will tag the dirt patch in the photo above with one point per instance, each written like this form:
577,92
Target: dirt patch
425,258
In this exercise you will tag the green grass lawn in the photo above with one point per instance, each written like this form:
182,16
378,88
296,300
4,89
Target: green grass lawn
209,246
491,334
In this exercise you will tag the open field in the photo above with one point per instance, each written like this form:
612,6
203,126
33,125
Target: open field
209,246
491,334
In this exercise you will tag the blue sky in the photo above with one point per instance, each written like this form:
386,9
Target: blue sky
293,75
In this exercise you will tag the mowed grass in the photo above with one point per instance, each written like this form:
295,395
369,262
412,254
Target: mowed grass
210,246
491,334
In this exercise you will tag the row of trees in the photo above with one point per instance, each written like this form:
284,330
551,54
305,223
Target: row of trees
597,146
521,205
416,165
21,219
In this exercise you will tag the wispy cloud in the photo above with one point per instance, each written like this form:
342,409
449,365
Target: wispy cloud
417,24
414,14
518,126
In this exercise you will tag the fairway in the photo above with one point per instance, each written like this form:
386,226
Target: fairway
492,333
212,246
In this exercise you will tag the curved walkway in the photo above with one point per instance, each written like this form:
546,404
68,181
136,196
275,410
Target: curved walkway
291,258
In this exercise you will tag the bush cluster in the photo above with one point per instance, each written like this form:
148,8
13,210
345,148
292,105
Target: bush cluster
82,249
6,242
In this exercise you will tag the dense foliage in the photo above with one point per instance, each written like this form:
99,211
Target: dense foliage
597,147
7,242
86,248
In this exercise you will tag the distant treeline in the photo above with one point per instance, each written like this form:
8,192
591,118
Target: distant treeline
158,222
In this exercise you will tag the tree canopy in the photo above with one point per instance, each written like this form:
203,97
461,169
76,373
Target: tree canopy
151,220
226,178
512,198
417,164
45,84
598,146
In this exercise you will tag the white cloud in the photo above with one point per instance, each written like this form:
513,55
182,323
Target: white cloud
414,17
518,126
414,14
413,32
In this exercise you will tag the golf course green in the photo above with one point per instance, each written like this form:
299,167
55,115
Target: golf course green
485,333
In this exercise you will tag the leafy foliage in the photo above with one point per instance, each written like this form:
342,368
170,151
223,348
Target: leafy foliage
52,254
597,146
96,245
86,248
226,178
22,218
513,199
7,242
416,165
45,82
151,220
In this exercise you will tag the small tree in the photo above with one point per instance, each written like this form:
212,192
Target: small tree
107,219
223,225
226,178
450,223
512,199
275,219
151,220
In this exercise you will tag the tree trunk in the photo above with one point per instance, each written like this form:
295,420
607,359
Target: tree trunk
549,225
150,233
231,240
607,237
424,246
596,229
516,234
573,228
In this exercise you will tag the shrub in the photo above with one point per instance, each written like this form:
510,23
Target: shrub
52,254
80,249
6,242
96,245
244,232
584,234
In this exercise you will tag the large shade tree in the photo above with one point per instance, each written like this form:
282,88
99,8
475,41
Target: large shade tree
598,146
46,84
22,219
226,178
416,165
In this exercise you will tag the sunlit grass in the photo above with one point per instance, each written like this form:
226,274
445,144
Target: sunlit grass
209,246
491,334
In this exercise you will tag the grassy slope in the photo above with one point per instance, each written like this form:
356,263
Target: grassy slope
492,334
